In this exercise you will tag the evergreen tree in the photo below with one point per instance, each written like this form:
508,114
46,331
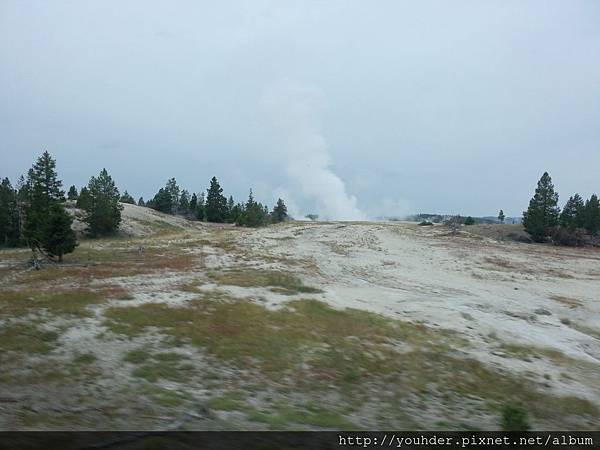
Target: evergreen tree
58,236
72,194
141,202
254,214
22,200
279,213
184,203
83,201
173,190
201,208
9,214
469,221
230,206
193,205
592,215
216,203
572,215
43,191
103,214
162,201
236,213
542,215
501,216
127,198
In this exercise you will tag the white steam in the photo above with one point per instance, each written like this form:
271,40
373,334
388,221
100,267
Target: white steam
292,110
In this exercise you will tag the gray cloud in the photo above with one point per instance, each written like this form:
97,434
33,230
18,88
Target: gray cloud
424,106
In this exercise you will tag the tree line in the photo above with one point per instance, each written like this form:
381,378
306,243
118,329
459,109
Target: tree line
214,206
33,212
577,222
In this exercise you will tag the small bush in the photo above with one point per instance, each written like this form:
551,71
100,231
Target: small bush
568,236
514,418
425,223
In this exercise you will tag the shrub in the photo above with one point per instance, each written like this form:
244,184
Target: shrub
573,237
514,418
425,223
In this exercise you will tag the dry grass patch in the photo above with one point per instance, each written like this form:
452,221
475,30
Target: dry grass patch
90,264
502,263
117,292
590,331
70,303
338,248
567,301
159,227
282,282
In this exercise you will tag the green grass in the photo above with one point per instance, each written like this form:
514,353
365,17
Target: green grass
530,352
136,356
70,303
85,358
226,402
162,370
27,338
168,356
164,397
282,282
309,347
274,421
282,417
241,331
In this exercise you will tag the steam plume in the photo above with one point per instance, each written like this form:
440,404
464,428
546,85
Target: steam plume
292,109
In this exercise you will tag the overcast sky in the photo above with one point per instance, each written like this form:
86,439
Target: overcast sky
347,108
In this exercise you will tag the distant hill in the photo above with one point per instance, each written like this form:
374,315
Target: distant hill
137,221
440,218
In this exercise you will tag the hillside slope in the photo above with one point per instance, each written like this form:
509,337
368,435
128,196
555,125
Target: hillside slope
137,221
299,326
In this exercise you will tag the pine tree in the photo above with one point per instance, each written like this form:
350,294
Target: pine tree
469,221
162,201
72,194
173,190
103,214
59,238
201,208
542,215
230,206
9,214
184,203
254,214
43,191
193,205
592,215
279,213
141,202
501,216
236,213
22,199
216,203
83,201
127,198
572,215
